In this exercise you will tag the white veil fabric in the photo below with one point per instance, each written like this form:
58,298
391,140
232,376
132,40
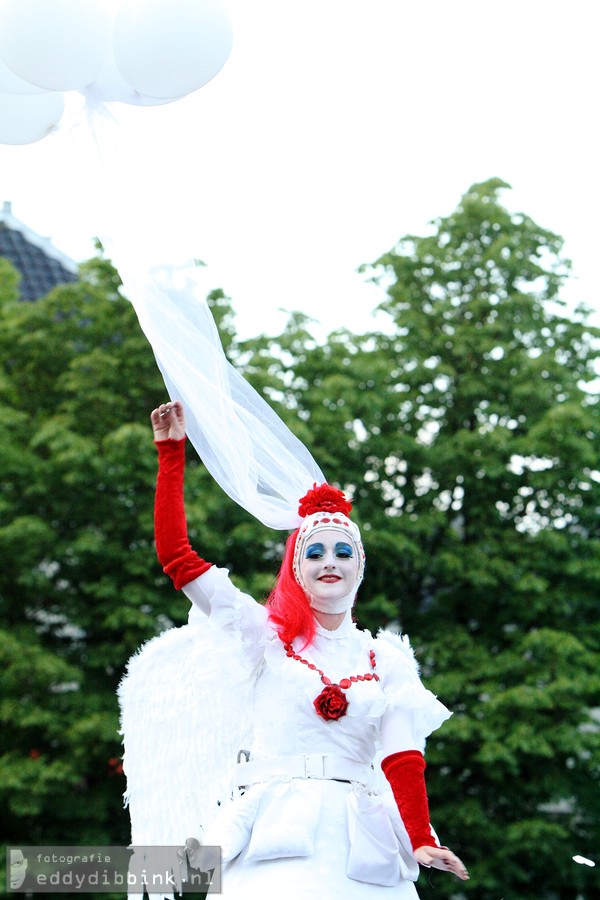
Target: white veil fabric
243,443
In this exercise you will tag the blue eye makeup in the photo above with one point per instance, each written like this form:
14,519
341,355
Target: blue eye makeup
343,550
314,551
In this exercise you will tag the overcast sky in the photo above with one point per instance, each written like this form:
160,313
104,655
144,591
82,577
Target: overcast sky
336,127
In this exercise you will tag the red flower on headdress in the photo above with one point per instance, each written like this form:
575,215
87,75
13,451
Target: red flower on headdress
324,498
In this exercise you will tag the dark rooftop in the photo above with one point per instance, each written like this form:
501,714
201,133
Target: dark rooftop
42,266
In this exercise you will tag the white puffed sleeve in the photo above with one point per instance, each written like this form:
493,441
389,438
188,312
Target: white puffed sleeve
411,711
213,594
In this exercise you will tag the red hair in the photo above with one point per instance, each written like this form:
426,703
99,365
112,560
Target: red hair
288,605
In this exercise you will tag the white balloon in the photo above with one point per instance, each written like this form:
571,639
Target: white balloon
168,48
26,118
59,45
111,86
12,84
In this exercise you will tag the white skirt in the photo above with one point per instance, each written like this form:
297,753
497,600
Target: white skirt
321,873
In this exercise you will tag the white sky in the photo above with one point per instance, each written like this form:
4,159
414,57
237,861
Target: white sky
336,127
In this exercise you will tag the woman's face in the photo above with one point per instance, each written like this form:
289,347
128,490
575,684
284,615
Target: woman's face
329,567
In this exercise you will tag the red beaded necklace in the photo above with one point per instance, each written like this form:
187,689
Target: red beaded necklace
332,702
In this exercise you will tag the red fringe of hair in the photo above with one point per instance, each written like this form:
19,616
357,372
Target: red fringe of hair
288,605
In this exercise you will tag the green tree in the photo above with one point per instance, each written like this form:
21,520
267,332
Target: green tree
68,479
80,587
484,458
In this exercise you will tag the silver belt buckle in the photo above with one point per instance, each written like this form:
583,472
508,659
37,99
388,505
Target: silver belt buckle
314,765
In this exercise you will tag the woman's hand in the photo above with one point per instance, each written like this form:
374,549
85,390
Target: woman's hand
168,421
441,858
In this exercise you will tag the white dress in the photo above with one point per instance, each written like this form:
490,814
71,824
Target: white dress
302,837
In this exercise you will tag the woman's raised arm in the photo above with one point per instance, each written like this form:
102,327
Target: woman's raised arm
179,561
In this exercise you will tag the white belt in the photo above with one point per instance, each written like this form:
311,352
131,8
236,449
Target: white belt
302,765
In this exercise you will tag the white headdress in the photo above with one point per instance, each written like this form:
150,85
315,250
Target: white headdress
325,508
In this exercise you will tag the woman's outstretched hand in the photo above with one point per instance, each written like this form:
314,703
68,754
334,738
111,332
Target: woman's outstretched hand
168,421
441,858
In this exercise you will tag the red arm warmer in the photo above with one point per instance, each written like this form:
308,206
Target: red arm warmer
405,772
179,561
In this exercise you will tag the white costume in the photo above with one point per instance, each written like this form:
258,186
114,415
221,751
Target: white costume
225,683
317,819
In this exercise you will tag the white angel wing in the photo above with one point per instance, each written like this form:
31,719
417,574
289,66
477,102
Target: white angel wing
186,710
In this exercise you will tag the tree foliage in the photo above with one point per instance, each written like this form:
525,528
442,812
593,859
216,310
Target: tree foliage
492,484
465,433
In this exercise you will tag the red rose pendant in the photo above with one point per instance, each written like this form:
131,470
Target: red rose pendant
331,702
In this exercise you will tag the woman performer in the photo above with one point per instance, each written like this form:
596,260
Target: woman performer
312,814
